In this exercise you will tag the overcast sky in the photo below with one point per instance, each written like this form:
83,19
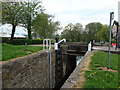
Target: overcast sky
81,11
77,11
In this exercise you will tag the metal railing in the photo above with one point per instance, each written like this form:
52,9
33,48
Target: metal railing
47,47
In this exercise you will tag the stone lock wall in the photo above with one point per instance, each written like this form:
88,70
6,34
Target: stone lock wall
31,71
28,72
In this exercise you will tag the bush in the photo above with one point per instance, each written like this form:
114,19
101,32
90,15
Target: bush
5,40
37,41
22,41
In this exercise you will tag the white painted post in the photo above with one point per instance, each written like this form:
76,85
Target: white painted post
46,44
89,46
56,44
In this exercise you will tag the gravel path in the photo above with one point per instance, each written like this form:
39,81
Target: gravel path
40,45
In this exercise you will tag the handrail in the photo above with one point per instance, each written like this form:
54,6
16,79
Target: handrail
46,44
47,47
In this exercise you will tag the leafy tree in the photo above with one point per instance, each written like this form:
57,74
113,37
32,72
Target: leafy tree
92,29
22,13
70,35
73,32
69,27
68,32
11,14
44,26
30,11
53,27
79,28
85,37
103,34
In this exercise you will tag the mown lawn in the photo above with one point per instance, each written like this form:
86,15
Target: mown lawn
98,78
14,51
100,59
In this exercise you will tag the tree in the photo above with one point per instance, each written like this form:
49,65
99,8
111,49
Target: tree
79,28
73,32
44,26
92,29
30,11
67,33
85,37
103,34
11,14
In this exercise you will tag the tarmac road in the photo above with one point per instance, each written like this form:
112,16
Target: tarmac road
105,48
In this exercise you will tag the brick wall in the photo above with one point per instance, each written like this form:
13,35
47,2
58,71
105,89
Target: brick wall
28,72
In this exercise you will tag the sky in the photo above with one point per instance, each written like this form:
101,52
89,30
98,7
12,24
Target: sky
81,11
77,11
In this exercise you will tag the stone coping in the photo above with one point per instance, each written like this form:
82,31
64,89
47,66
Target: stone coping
75,75
26,56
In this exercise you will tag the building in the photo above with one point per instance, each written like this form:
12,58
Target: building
16,35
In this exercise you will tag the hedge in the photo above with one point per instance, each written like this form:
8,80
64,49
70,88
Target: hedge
37,41
22,41
5,40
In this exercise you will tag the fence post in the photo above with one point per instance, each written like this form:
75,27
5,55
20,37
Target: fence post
89,46
111,17
47,47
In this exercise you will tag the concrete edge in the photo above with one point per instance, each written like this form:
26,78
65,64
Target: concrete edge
33,55
76,73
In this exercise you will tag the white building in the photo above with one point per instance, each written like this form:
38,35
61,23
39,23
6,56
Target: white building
6,30
16,35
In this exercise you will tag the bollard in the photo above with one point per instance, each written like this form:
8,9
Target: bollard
89,46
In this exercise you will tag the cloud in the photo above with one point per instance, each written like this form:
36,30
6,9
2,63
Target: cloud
82,11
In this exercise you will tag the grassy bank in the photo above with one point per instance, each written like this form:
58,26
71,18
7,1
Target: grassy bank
99,76
14,51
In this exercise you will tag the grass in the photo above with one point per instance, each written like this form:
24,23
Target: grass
97,78
100,59
14,51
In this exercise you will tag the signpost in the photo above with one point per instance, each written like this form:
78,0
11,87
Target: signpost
111,18
115,32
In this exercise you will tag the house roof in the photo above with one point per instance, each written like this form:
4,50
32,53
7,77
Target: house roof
15,35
